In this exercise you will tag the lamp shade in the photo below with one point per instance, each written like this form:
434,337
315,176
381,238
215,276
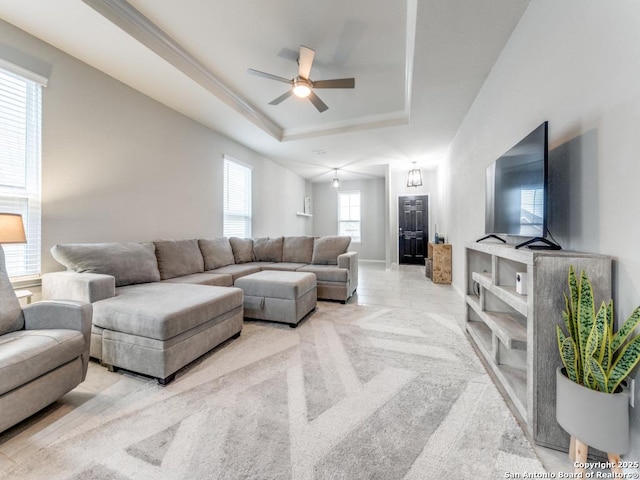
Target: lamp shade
12,228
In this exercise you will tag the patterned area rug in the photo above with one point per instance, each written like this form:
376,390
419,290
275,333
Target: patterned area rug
355,392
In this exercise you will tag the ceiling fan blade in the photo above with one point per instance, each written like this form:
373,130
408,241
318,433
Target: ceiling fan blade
305,60
319,104
335,83
281,98
268,75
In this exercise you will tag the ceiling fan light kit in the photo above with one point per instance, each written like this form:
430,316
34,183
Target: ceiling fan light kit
302,86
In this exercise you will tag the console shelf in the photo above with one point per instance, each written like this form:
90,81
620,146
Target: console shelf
515,334
510,329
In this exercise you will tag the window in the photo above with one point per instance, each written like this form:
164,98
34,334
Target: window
237,199
20,163
349,215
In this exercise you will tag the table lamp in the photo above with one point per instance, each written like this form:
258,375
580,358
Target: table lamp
12,228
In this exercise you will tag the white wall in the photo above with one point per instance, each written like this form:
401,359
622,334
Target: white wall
398,187
119,166
372,195
576,64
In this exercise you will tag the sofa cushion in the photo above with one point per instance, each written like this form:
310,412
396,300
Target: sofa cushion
11,318
327,249
242,249
206,278
267,249
272,284
283,266
327,273
237,271
217,252
178,257
28,354
163,310
129,263
297,249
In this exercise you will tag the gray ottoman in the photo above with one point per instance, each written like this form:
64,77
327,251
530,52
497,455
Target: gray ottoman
278,296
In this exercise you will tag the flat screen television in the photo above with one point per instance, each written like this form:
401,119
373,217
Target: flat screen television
517,190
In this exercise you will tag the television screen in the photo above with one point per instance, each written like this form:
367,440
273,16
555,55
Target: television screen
516,188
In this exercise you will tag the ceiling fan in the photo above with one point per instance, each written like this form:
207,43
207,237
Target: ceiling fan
302,86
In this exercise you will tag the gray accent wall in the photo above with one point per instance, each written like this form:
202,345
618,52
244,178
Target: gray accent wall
372,198
119,166
577,65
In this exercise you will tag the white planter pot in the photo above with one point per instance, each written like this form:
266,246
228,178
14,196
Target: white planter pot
600,420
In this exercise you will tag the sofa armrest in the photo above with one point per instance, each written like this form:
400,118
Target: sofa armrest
349,260
82,287
62,314
65,314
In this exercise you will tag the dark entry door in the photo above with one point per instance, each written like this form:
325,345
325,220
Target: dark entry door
413,223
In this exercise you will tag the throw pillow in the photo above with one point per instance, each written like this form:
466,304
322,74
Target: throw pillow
177,258
327,249
217,253
242,249
129,263
268,249
297,249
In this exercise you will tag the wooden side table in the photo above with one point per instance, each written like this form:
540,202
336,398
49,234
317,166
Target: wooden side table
439,258
24,294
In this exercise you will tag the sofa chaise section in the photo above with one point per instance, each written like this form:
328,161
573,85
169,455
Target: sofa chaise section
158,328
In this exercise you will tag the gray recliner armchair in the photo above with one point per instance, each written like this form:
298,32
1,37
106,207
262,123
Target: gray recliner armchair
44,351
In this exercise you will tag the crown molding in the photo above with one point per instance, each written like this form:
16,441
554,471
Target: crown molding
122,14
363,123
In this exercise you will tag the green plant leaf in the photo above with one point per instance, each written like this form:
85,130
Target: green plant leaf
624,363
610,320
568,317
596,340
566,314
597,374
561,337
569,358
608,353
627,328
573,291
585,317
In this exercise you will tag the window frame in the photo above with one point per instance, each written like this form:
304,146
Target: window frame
244,215
342,221
21,136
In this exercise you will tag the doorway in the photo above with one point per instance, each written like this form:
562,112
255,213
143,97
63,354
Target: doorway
413,229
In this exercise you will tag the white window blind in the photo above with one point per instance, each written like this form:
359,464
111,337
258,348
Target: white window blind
531,210
20,164
349,215
237,199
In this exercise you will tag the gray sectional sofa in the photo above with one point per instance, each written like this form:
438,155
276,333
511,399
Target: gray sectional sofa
158,306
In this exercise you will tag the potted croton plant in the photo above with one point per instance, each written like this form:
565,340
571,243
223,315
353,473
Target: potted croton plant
592,404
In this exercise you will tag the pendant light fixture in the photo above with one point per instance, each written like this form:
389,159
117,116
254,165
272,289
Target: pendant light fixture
336,182
415,177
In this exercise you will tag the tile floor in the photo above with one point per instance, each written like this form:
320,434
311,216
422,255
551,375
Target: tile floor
402,287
